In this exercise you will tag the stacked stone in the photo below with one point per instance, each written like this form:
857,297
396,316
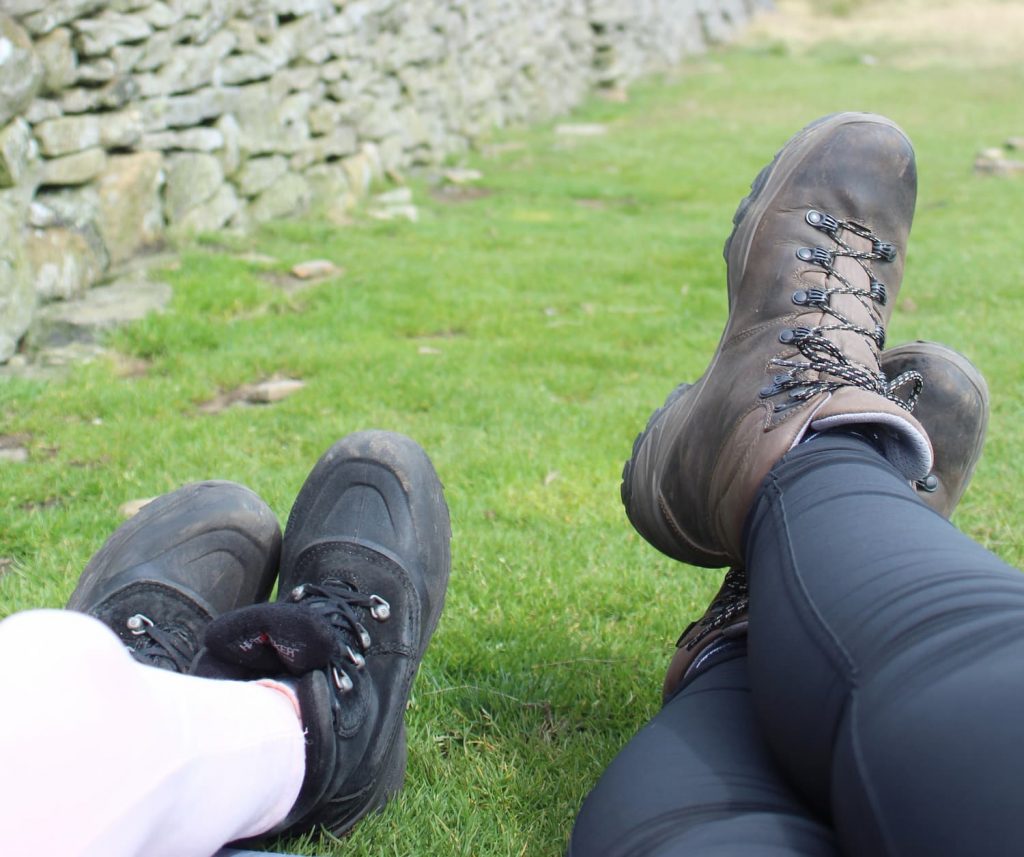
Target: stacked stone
123,121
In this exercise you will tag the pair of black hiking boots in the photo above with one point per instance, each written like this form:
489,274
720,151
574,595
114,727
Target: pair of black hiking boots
362,572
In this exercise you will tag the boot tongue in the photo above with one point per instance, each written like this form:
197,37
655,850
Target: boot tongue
270,639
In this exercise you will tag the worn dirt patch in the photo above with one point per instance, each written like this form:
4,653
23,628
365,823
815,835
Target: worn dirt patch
951,33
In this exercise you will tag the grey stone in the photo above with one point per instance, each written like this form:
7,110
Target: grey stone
341,142
325,117
40,110
257,174
301,7
245,68
120,130
75,206
247,40
330,193
114,95
230,154
261,129
289,195
58,12
99,310
60,63
188,67
296,79
379,123
212,214
20,8
127,57
101,70
17,297
156,52
21,72
75,169
190,140
18,153
192,179
359,172
160,16
68,134
64,263
128,208
181,111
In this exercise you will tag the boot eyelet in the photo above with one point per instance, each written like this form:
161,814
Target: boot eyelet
775,387
879,294
885,249
341,680
381,610
364,637
355,657
792,335
810,297
879,336
822,221
138,624
817,255
930,484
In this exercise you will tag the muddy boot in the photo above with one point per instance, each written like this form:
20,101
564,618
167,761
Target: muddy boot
815,264
953,408
184,559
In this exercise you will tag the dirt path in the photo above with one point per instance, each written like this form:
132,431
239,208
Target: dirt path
979,33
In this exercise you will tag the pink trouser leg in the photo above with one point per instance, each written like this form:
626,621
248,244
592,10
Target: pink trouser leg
101,755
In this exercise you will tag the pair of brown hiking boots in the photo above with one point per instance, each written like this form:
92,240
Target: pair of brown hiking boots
815,262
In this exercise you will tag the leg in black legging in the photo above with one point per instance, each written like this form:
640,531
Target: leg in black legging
699,780
886,655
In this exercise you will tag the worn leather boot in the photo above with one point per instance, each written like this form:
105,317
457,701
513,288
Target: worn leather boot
953,408
815,263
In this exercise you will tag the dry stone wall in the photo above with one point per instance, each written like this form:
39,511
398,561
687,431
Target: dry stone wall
125,121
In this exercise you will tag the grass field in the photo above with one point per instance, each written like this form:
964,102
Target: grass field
523,334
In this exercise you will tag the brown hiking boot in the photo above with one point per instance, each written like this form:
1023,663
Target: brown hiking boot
824,225
953,408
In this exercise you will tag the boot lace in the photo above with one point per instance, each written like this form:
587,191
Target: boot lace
728,606
167,648
341,604
824,357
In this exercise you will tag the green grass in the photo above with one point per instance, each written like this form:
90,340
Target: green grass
556,312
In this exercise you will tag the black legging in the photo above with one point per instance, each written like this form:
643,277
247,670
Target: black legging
879,709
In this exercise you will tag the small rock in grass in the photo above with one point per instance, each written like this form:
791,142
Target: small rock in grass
273,390
315,268
12,447
583,129
462,176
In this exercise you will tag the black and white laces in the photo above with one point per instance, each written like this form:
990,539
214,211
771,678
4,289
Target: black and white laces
729,606
818,354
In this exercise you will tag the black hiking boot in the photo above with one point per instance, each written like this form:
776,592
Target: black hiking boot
184,559
363,578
